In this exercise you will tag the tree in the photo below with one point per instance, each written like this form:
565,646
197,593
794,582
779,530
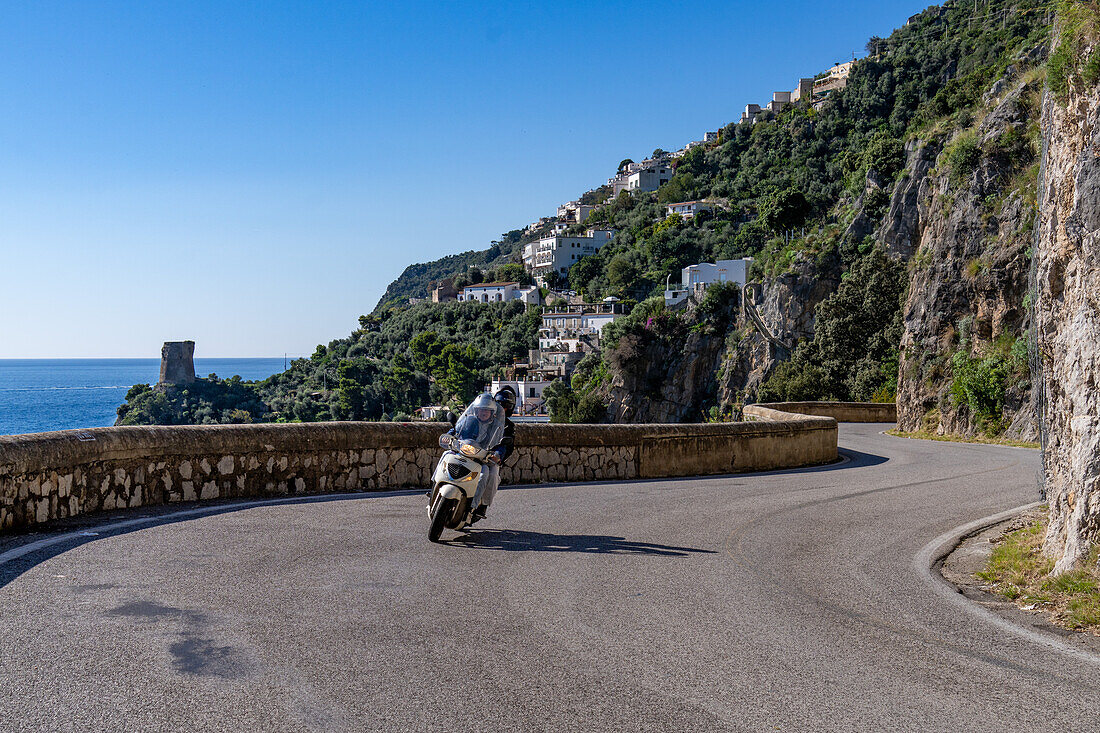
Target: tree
624,163
584,272
621,272
885,155
425,348
680,188
784,210
554,279
514,272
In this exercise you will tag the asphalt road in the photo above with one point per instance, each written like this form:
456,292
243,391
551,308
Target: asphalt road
783,601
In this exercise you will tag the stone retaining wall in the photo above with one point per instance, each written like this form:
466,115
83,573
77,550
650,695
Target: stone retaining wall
49,476
839,411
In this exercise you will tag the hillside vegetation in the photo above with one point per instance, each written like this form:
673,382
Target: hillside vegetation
392,364
816,197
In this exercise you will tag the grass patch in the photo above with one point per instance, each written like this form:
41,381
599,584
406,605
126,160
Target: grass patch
1080,26
1018,571
925,435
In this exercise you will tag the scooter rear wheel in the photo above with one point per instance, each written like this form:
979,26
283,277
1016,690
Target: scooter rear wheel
444,508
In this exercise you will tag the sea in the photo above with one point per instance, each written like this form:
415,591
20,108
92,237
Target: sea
37,395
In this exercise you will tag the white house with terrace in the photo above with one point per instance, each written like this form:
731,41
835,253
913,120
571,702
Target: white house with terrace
688,209
559,253
696,278
565,322
649,175
499,293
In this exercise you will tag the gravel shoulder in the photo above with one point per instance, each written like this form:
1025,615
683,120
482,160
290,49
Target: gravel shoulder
960,569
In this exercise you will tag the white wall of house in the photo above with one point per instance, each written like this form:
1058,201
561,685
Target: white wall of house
488,293
645,176
650,179
697,277
596,321
530,295
707,273
528,391
672,297
558,254
688,209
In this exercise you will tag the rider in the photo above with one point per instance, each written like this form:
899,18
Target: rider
476,424
506,398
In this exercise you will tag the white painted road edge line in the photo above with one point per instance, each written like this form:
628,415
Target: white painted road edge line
943,545
30,547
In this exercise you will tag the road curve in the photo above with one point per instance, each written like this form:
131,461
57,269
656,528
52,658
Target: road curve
785,601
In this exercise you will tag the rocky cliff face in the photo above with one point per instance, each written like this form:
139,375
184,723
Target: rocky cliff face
962,217
665,372
1068,318
785,305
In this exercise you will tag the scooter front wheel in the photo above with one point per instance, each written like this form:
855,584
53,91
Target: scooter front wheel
444,508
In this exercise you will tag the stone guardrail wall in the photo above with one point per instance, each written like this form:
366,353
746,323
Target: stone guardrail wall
48,476
839,411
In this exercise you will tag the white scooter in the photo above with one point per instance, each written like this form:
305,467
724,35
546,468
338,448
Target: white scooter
456,483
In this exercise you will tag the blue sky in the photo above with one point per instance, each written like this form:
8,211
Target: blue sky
252,175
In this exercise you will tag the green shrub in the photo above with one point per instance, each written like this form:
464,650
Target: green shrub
980,383
962,156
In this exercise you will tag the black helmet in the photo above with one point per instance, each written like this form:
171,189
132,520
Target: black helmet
506,396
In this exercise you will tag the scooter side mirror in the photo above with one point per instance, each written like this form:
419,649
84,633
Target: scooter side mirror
452,418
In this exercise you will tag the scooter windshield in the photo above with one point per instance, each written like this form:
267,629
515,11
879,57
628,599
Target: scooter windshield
482,423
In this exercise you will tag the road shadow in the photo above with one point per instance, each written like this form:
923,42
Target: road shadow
517,540
857,459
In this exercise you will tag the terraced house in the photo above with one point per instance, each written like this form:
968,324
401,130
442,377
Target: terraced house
558,253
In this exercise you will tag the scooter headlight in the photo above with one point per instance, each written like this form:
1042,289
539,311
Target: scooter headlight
470,450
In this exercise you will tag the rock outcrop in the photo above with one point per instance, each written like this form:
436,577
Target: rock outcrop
1068,319
665,374
786,306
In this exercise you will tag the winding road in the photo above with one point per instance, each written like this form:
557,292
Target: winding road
783,601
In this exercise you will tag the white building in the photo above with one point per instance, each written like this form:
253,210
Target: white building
528,393
574,212
432,413
804,91
649,175
488,293
558,253
529,296
688,209
710,137
752,111
834,79
780,100
695,278
649,179
499,293
569,322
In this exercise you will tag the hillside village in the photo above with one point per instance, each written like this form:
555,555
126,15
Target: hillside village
862,235
571,328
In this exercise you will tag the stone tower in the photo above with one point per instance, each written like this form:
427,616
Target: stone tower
177,362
